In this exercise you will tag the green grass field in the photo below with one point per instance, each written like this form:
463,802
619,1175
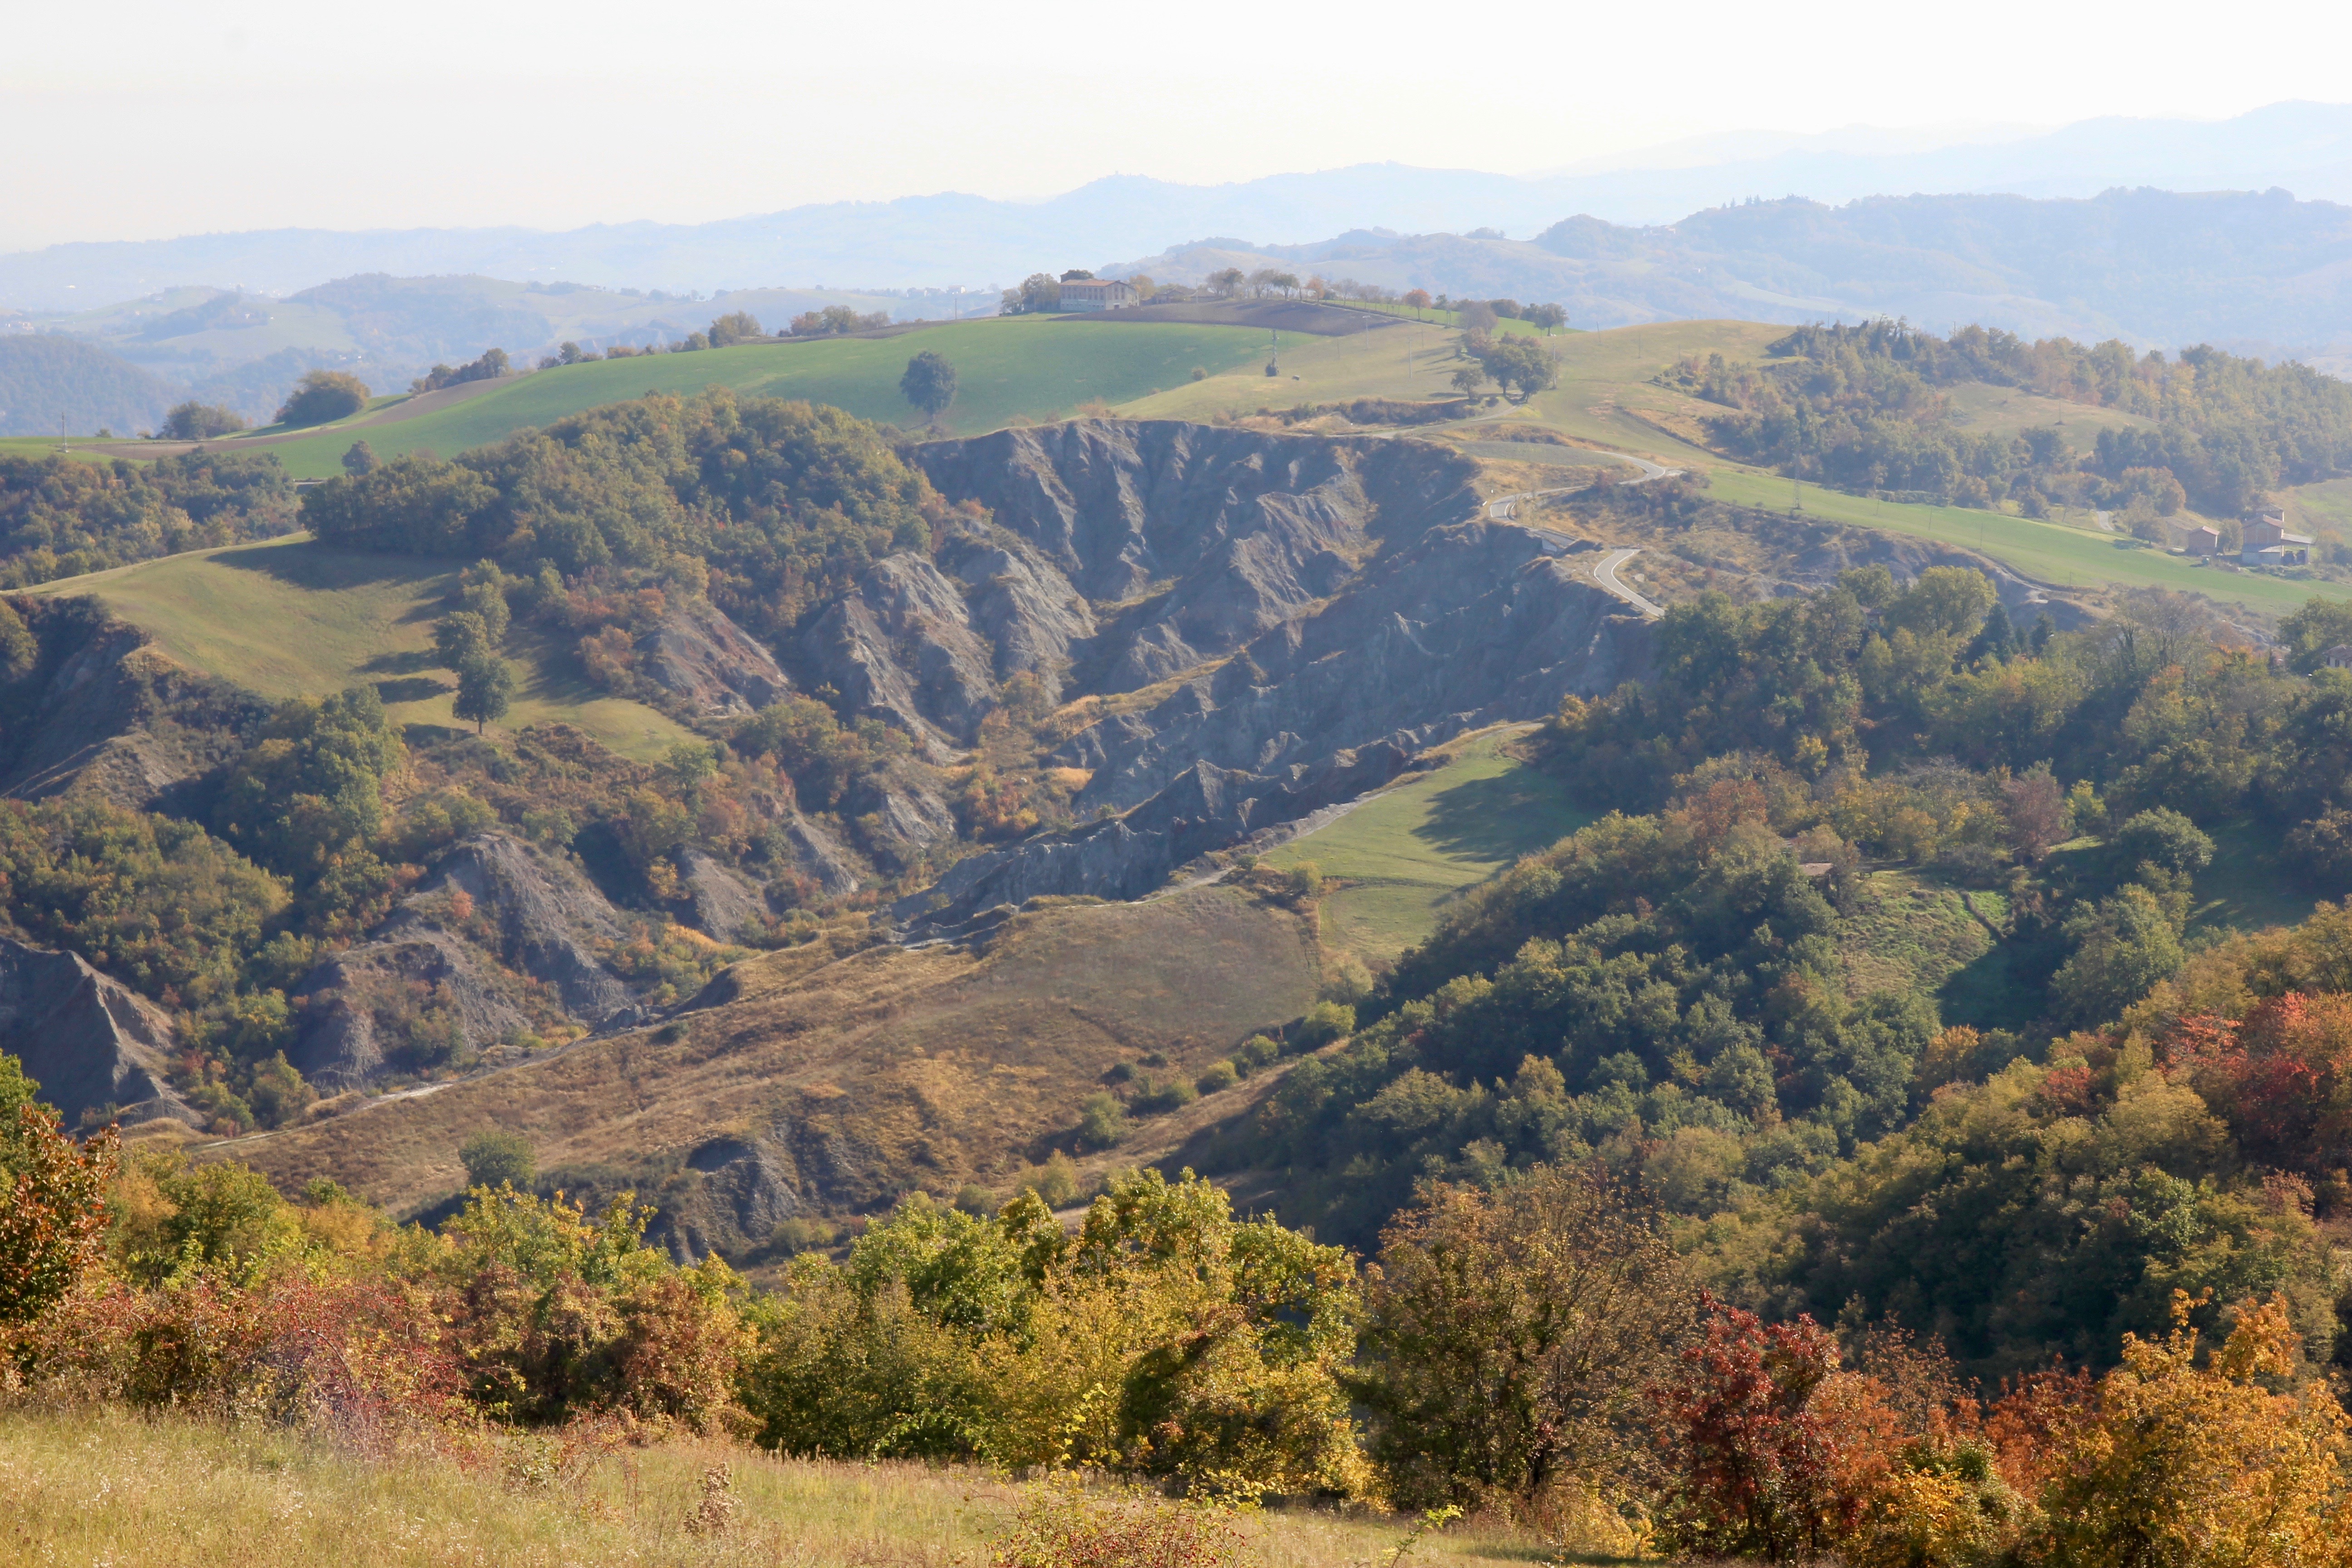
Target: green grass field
288,618
1407,850
1020,367
2246,888
2047,552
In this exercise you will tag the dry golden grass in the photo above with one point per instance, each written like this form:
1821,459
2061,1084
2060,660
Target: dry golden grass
107,1487
943,1066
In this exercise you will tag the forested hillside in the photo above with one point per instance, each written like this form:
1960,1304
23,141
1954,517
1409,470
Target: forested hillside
1864,409
50,382
59,517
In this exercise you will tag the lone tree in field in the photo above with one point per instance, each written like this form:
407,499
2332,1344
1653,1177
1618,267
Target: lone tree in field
930,384
1517,362
485,689
360,459
322,395
498,1158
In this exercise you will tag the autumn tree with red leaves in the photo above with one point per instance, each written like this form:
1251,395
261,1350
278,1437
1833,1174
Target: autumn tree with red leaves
1757,1462
53,1226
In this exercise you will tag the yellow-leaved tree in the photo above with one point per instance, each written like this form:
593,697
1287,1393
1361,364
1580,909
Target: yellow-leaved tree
2206,1464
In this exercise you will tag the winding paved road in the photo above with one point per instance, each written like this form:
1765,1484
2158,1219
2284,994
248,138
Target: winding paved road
1505,509
1604,572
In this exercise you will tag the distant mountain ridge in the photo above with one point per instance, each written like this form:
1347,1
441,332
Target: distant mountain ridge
2259,273
949,239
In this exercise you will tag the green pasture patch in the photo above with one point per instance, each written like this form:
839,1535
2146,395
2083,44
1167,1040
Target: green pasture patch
1009,368
2248,887
2047,552
1403,854
290,618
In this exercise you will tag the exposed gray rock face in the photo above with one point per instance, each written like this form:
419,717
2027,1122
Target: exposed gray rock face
816,856
1362,608
1027,610
1243,529
735,1191
548,915
698,654
347,1039
1471,625
1206,808
102,712
545,919
1474,625
900,646
90,1042
719,902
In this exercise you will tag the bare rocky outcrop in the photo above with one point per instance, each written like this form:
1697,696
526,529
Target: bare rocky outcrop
1471,625
352,1006
718,902
900,646
102,712
532,913
1206,808
548,918
1031,614
1341,606
90,1042
709,663
1208,536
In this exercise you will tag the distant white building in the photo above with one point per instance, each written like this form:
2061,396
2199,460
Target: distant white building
1097,294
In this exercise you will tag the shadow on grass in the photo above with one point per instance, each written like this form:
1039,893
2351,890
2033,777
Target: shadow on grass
305,563
1499,818
411,688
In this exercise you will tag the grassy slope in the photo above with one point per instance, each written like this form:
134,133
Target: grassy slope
103,1486
288,618
2047,552
1407,850
1008,368
944,1065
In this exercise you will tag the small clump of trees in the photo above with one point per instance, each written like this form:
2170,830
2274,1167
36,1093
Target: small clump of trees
195,421
322,396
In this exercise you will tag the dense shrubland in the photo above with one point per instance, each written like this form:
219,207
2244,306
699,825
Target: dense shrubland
60,517
771,507
1533,1347
1674,990
1859,408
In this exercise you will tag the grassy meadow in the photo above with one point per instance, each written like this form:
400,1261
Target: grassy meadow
108,1486
290,618
1007,368
2048,553
1404,853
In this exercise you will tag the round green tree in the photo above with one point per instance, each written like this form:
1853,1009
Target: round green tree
485,689
930,384
323,395
498,1158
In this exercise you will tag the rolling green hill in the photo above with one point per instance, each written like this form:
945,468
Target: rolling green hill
288,618
1022,367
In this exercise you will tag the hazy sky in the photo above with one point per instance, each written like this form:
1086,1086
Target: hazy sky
141,119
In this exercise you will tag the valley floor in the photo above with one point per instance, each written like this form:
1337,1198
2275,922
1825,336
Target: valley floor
105,1486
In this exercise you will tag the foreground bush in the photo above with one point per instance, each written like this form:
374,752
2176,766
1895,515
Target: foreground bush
1165,1339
